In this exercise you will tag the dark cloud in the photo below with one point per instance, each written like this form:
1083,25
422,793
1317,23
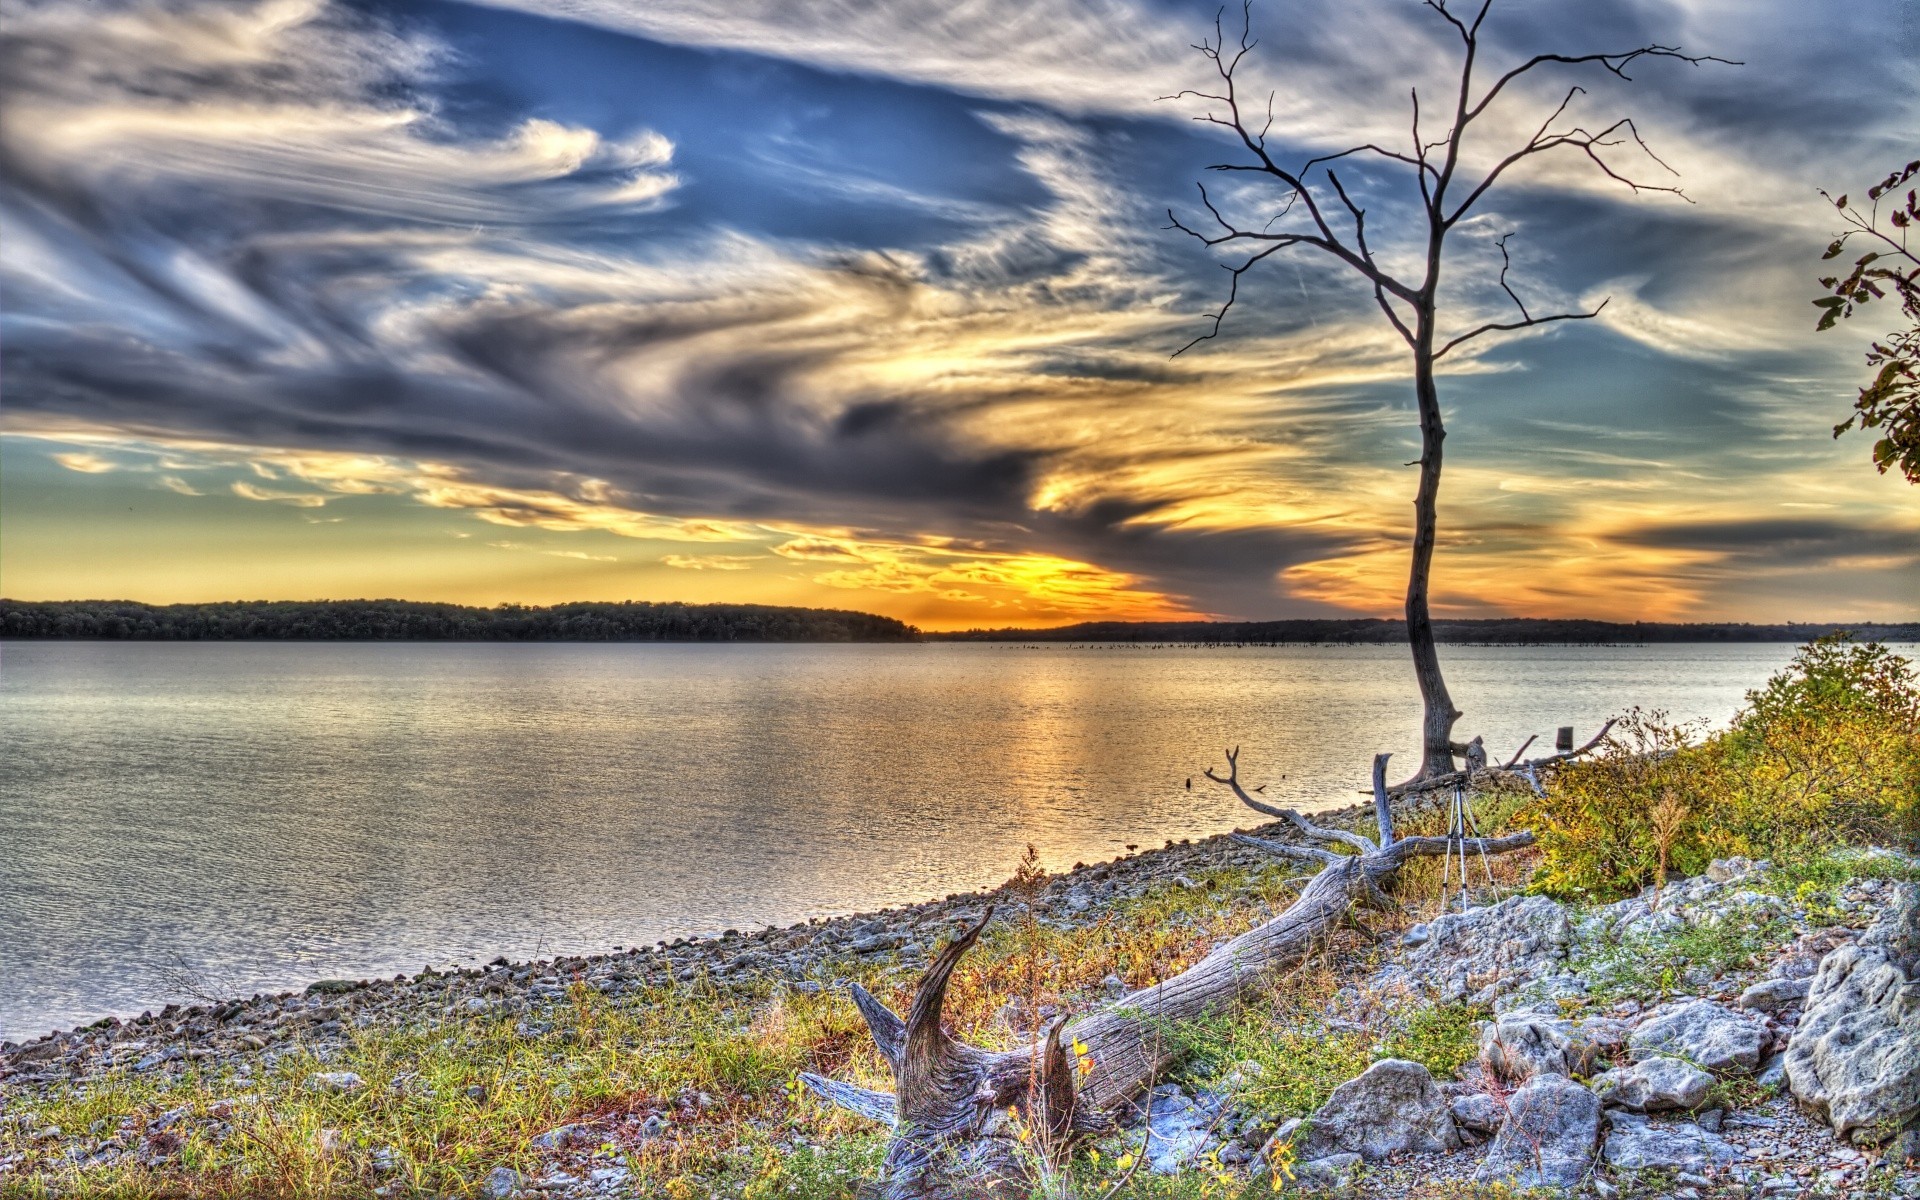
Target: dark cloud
1794,542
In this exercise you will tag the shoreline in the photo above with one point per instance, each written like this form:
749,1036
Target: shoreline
801,952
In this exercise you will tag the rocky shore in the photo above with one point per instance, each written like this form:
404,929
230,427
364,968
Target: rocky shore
805,955
1796,1071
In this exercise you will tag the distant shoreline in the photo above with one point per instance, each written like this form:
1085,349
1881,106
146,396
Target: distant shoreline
648,621
1499,631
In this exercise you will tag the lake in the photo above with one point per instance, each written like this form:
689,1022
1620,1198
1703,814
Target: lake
234,817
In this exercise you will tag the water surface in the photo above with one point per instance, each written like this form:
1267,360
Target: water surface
246,816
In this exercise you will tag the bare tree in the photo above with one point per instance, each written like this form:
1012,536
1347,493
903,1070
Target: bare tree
1316,210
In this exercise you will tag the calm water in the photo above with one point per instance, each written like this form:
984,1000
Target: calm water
257,816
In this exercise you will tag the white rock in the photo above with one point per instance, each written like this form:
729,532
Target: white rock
1855,1056
1652,1084
1636,1143
1706,1034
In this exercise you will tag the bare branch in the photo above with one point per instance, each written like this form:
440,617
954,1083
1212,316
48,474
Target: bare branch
1320,833
1589,144
1423,847
1506,263
1529,768
1616,63
1515,760
1497,326
889,1031
1382,806
1369,147
1233,293
878,1106
1312,854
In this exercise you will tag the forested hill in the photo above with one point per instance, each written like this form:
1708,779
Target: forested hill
406,620
1499,631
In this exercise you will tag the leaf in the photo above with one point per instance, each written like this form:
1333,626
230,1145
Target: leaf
1830,301
1833,251
1841,202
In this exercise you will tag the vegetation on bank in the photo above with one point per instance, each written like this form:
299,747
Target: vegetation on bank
408,620
1826,755
691,1090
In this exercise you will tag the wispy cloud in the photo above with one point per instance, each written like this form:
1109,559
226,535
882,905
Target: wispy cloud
249,491
711,562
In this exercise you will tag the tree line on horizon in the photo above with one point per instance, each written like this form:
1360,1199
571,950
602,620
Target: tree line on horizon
1485,631
409,620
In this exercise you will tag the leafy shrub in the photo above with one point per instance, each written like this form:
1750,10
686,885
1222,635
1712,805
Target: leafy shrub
1827,754
1606,821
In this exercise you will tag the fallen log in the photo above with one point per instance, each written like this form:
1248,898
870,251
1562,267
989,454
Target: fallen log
969,1122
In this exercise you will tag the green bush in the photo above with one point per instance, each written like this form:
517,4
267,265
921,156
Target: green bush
1827,754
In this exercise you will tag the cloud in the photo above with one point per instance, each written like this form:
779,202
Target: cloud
710,562
174,483
292,101
85,462
248,491
1080,56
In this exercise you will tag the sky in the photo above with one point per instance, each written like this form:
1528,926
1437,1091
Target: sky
874,305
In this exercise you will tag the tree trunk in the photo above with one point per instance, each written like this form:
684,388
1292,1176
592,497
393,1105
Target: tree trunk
959,1112
1438,712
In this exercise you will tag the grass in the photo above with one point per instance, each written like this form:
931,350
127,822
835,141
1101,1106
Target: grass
450,1100
1655,966
1442,1037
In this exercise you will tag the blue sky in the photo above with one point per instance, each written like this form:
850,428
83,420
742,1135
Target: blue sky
873,306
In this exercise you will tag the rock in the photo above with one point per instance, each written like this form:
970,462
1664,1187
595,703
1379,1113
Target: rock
334,1081
561,1138
1548,1137
1855,1055
503,1183
334,987
1483,953
1516,1046
1636,1143
1770,995
1478,1112
1772,1072
1391,1107
1904,1150
1078,900
1177,1130
1333,1173
1706,1034
1653,1084
1730,870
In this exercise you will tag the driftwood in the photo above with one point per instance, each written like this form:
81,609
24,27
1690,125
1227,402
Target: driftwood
1479,770
973,1122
